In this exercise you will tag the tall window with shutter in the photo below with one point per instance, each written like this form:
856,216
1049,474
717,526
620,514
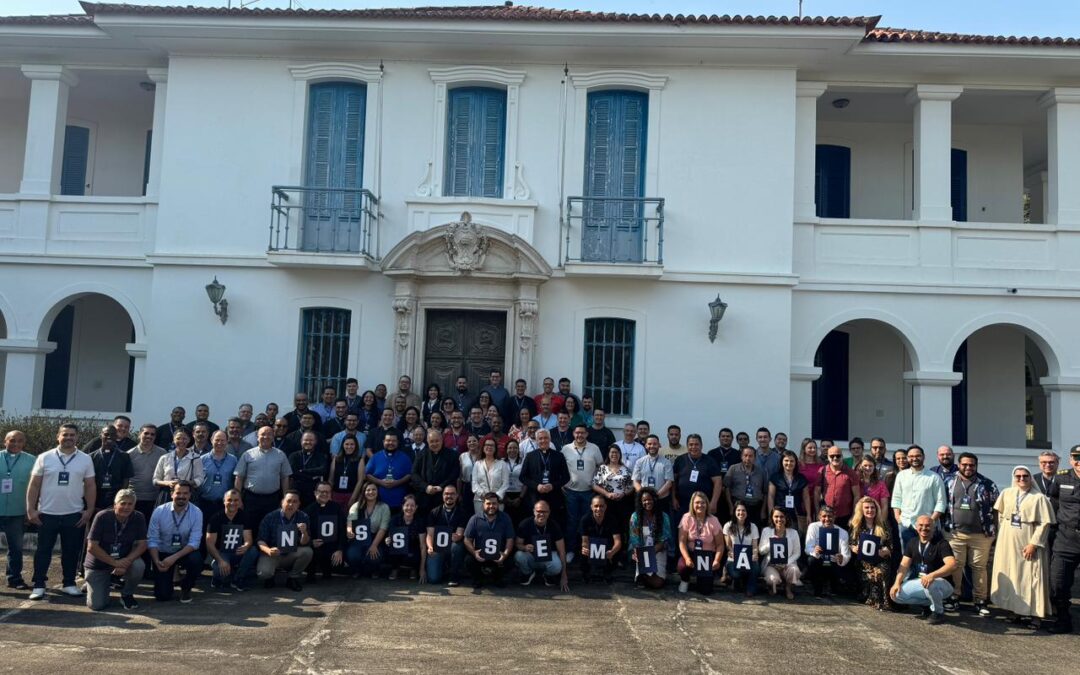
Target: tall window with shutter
832,181
613,223
73,164
334,167
475,142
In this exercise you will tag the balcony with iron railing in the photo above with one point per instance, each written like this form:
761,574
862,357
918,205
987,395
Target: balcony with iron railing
323,227
614,236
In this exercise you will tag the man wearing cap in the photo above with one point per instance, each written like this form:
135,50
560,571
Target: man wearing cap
1067,544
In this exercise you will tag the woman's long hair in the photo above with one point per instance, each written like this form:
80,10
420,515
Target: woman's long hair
877,528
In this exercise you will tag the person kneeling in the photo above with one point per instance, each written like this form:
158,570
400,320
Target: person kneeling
285,542
701,544
230,545
541,548
827,552
176,529
929,560
116,542
489,541
601,542
404,539
650,540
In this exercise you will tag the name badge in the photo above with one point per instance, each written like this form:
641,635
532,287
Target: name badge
546,478
652,482
581,465
723,467
343,483
115,550
63,478
7,486
106,482
646,531
217,479
693,475
176,540
697,544
749,491
923,570
789,501
1015,522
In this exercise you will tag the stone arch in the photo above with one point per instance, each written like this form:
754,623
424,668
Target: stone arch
903,330
56,302
1039,333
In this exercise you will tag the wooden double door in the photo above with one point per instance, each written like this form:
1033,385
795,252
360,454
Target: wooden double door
463,342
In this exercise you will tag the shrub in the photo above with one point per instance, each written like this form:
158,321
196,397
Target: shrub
41,430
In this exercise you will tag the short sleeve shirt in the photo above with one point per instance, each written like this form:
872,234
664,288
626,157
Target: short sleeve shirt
706,531
108,532
219,524
262,471
528,531
933,554
686,468
59,499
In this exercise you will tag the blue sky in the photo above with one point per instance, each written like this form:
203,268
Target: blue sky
998,17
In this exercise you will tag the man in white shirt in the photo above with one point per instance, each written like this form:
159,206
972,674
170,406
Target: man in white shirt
632,451
60,501
582,459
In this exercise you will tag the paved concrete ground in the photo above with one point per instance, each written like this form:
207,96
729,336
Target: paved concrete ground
383,626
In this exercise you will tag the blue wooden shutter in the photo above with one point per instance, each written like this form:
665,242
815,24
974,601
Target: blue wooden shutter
74,163
959,185
335,141
146,162
475,142
832,181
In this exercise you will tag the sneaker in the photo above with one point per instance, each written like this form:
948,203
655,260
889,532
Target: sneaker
37,594
238,588
527,581
18,585
924,613
185,595
129,602
453,583
951,604
936,619
549,581
294,585
393,575
684,586
982,609
72,591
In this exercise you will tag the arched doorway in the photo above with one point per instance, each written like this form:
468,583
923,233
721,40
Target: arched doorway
861,390
1000,402
90,369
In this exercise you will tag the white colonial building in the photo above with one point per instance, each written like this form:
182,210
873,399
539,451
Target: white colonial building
892,218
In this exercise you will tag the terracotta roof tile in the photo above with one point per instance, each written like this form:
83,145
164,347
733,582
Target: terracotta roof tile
505,12
924,36
49,20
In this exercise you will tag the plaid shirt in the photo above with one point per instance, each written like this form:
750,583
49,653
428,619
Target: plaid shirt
985,494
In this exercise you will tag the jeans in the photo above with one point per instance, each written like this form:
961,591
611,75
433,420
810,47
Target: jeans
751,575
71,538
13,528
437,563
1062,574
906,534
527,564
356,556
241,568
99,581
913,593
163,581
577,505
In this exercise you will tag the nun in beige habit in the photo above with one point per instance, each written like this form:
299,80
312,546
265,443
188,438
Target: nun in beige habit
1021,575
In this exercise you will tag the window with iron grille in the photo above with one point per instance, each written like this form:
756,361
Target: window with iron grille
324,350
609,364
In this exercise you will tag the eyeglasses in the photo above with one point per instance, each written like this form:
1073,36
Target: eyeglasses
1023,476
835,456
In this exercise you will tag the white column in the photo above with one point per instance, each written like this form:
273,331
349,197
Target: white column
1063,155
1064,402
933,150
45,124
160,78
24,374
802,400
139,400
932,405
806,96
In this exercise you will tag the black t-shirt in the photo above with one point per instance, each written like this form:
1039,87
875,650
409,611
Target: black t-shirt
227,530
528,531
932,554
412,532
455,520
116,539
684,467
602,438
590,528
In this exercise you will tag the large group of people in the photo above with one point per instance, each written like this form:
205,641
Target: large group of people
438,488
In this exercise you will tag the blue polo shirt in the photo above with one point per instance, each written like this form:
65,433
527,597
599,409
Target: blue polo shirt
219,476
397,466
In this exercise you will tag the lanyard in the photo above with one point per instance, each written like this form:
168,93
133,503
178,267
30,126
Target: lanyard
922,552
740,536
217,464
693,462
108,464
448,516
652,466
176,522
12,465
1046,485
60,456
790,485
118,529
545,457
305,457
1020,495
176,467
